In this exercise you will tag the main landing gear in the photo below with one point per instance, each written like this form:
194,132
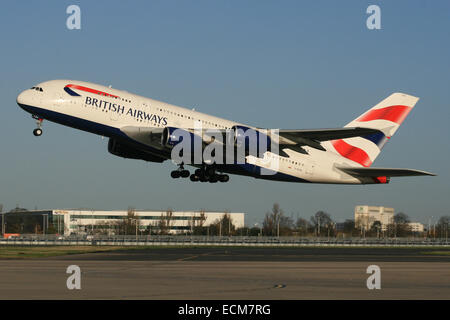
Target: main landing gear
38,131
205,174
180,172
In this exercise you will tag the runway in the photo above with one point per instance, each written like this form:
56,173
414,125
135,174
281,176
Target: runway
233,273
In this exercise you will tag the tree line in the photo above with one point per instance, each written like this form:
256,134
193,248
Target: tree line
275,223
321,224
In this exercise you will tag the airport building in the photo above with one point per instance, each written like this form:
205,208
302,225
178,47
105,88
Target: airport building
84,222
365,216
416,227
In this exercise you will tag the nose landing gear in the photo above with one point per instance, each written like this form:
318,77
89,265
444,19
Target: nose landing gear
38,131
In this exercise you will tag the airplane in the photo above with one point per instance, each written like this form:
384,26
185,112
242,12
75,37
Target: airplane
146,129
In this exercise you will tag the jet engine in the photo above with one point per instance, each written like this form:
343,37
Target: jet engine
253,141
124,150
172,136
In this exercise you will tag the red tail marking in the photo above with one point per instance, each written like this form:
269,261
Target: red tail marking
393,113
381,180
353,153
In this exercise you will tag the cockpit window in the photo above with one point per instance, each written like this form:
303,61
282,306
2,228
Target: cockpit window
37,89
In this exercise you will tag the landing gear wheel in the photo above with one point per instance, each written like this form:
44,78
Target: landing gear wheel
224,178
213,179
184,173
37,132
180,172
210,171
194,178
175,174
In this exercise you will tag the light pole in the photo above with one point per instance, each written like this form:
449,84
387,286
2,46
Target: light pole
3,224
278,228
446,233
44,220
136,222
256,226
318,226
429,232
430,222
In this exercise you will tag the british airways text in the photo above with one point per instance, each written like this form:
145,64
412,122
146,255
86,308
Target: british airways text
114,107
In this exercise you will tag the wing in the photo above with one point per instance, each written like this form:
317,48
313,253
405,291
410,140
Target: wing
312,138
293,139
327,134
384,172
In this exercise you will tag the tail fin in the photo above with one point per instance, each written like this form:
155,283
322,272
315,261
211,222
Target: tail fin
386,116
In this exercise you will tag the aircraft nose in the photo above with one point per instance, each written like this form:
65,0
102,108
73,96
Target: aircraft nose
21,98
24,98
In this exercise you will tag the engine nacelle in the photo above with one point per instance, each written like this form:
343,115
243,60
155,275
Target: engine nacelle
121,149
172,136
253,141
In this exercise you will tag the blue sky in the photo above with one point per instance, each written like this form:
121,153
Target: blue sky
275,64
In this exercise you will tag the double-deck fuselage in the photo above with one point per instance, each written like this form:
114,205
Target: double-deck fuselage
104,111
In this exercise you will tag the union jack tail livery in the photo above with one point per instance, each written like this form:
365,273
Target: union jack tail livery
386,116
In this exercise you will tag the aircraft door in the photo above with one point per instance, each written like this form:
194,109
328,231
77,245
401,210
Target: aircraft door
309,167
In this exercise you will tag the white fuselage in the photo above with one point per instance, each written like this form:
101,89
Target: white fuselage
103,110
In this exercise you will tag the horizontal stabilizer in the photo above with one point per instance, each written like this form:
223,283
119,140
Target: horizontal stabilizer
384,172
